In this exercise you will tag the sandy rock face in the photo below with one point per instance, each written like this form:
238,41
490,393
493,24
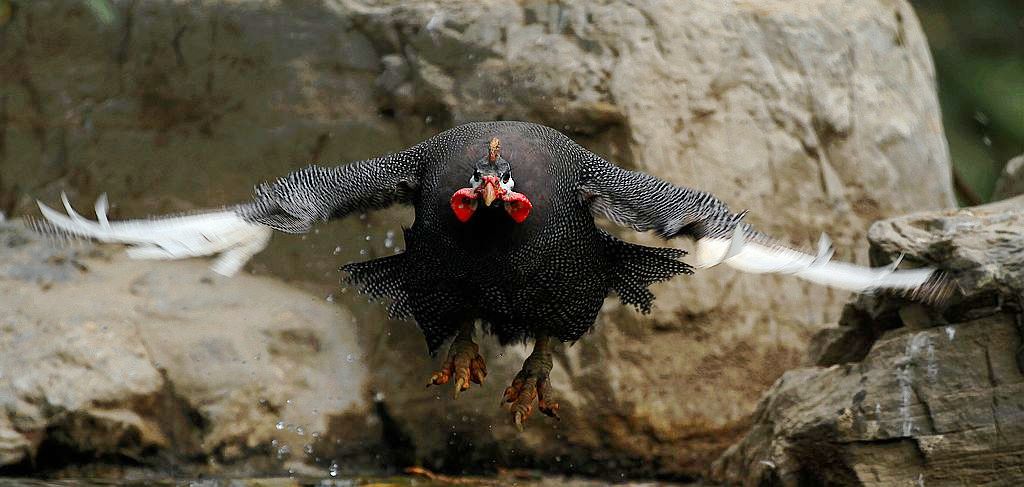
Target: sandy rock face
934,396
104,358
816,115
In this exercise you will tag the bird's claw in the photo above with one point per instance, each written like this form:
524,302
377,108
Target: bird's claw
464,364
520,396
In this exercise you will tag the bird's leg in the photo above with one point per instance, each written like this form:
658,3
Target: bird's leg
463,363
532,382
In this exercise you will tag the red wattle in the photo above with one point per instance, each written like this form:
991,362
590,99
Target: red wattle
464,204
517,205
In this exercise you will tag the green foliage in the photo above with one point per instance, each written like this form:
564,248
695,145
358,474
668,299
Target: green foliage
978,48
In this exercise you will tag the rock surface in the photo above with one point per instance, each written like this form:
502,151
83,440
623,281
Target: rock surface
103,358
932,396
816,115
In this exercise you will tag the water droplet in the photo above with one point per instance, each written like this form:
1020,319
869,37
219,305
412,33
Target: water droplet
308,449
330,298
349,358
333,469
363,252
337,250
300,431
369,237
279,425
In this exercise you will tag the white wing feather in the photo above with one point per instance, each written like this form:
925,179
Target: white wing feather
221,232
757,258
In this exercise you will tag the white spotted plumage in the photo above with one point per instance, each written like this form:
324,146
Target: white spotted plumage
548,274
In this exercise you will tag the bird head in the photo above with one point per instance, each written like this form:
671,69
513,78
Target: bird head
491,182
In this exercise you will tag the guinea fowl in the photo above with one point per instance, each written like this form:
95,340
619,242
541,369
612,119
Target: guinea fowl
504,232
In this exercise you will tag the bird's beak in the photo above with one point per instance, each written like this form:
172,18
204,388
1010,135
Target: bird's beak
490,190
490,194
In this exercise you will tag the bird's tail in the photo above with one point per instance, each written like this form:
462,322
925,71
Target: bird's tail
635,267
223,232
383,278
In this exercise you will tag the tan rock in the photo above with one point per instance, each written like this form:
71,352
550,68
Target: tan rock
933,401
116,358
816,115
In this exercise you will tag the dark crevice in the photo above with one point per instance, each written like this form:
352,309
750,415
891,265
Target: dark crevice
399,446
316,152
124,46
179,58
901,34
3,128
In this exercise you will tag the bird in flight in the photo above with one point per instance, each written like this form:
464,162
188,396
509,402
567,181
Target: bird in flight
504,233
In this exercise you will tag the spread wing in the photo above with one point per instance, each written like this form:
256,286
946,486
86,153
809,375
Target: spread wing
644,202
292,204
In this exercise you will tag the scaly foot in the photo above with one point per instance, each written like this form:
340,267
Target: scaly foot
463,363
532,383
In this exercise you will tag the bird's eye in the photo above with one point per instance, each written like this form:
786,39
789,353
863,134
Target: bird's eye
476,175
507,183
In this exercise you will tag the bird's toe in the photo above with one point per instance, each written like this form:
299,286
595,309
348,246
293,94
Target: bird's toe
464,365
526,391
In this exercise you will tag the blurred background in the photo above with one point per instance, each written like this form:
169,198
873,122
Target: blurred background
818,116
978,49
